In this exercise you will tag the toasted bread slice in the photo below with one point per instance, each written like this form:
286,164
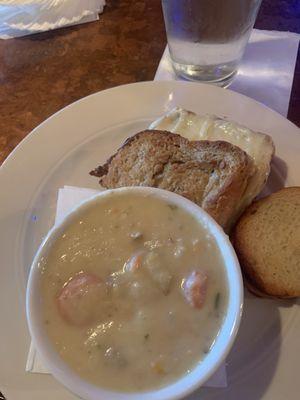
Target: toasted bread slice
258,146
212,174
267,242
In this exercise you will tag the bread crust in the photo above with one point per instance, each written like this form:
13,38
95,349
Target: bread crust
212,174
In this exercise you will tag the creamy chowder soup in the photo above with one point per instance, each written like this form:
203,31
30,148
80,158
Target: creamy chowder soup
134,292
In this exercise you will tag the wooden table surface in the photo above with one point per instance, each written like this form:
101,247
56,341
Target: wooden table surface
42,73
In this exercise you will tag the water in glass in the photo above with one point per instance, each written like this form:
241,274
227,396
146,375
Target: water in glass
207,38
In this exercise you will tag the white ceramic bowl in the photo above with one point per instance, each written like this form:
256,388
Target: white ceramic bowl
183,386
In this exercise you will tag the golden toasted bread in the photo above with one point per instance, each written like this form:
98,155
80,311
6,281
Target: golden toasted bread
212,174
267,241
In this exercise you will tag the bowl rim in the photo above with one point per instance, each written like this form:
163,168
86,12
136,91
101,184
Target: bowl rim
183,385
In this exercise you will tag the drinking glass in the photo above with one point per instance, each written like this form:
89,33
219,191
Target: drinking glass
207,38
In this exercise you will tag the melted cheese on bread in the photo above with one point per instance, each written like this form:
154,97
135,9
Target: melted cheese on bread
258,146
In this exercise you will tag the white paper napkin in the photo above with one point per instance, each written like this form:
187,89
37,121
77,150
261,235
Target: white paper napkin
68,198
24,17
266,71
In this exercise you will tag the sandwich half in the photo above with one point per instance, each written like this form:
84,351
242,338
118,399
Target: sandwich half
259,146
213,174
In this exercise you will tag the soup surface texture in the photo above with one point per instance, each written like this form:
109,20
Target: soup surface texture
133,292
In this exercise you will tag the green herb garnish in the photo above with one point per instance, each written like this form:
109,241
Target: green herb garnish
217,300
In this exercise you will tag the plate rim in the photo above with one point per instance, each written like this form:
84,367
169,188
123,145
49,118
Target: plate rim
35,130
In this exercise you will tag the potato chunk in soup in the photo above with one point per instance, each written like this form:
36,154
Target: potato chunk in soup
134,292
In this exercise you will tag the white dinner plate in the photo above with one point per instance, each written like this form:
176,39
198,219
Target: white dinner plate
264,362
